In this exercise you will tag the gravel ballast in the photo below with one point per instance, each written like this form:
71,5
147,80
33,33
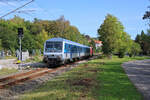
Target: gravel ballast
139,73
13,92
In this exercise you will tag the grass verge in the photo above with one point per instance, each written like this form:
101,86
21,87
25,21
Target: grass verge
114,83
100,79
6,71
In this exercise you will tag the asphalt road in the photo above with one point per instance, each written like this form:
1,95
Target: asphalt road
139,73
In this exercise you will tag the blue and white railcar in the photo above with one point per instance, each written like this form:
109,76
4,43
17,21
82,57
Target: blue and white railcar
59,50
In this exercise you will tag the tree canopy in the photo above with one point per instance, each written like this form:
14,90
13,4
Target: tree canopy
36,32
144,41
114,38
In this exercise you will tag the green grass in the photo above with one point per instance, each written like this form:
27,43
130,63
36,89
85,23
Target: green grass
5,71
100,79
114,83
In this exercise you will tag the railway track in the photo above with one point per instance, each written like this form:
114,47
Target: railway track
14,85
23,77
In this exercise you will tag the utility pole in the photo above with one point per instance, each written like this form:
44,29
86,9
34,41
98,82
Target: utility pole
20,35
20,55
16,9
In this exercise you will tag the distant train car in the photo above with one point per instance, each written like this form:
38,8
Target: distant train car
60,51
91,51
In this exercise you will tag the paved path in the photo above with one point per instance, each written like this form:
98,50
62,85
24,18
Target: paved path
139,73
8,63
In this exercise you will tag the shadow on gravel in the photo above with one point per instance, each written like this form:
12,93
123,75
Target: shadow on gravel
34,65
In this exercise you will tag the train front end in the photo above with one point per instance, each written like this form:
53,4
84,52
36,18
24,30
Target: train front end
53,52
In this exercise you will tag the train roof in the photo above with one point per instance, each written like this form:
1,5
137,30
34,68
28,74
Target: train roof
68,41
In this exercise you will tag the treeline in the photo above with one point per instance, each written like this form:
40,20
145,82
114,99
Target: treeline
115,40
36,32
144,40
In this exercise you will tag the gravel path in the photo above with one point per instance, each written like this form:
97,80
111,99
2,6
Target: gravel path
139,73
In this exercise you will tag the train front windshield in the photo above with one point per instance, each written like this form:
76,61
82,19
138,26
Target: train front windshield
53,47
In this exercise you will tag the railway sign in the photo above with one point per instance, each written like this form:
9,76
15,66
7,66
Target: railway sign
20,32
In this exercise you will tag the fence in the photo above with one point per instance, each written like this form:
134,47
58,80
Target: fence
25,54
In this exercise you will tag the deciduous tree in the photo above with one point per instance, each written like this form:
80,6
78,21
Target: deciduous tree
110,33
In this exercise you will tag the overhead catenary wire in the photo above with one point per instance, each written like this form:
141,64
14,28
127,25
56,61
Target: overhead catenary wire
16,9
26,13
3,9
8,4
45,12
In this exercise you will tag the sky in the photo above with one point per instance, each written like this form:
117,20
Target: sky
86,15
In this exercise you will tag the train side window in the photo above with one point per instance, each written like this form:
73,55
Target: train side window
79,49
82,49
67,47
72,47
75,49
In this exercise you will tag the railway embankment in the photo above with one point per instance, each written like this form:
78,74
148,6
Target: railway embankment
12,86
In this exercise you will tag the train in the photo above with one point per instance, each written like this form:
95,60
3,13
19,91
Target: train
61,51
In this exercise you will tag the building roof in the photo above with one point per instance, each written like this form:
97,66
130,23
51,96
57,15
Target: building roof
98,42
